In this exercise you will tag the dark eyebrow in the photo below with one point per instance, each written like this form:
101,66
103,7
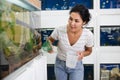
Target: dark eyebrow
74,19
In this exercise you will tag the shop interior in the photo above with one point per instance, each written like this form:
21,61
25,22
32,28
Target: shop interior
26,24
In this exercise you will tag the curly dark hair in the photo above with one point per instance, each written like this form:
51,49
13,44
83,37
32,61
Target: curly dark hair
83,12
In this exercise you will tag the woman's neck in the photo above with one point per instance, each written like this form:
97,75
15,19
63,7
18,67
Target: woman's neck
75,32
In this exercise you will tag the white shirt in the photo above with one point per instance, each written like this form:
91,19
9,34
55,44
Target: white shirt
60,34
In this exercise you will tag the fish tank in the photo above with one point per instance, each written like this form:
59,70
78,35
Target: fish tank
110,71
19,41
109,4
110,35
64,4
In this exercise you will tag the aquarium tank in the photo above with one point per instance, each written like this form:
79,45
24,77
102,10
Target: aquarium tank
19,42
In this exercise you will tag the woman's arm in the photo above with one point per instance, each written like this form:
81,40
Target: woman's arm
51,40
88,51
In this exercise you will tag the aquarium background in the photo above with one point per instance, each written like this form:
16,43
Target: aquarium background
110,71
109,35
64,4
109,4
45,33
19,42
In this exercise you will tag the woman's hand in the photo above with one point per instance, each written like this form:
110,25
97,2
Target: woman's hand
51,50
80,55
87,52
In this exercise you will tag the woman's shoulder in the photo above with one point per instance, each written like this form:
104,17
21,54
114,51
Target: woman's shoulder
61,28
87,31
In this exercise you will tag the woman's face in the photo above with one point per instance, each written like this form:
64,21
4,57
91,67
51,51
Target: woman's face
75,22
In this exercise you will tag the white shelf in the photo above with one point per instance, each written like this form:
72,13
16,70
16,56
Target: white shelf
110,11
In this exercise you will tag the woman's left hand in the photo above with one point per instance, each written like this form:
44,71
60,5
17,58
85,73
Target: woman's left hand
80,55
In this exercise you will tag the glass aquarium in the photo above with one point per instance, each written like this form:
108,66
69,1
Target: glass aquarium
64,4
87,3
19,42
109,4
110,35
110,71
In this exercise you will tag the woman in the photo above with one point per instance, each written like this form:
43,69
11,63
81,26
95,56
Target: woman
73,38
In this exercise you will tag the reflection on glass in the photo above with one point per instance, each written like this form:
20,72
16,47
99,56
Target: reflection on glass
64,4
19,42
110,36
108,4
109,71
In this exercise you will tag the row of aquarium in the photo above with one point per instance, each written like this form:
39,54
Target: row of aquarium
107,72
19,41
109,34
67,4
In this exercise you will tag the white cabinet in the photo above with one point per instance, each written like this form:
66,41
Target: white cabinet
40,67
36,69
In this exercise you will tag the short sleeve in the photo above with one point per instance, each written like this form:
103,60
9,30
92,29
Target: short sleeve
90,39
54,34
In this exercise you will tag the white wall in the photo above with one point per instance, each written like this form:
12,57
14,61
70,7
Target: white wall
53,18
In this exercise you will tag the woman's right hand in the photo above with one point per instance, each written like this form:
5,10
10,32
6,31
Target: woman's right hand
51,50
